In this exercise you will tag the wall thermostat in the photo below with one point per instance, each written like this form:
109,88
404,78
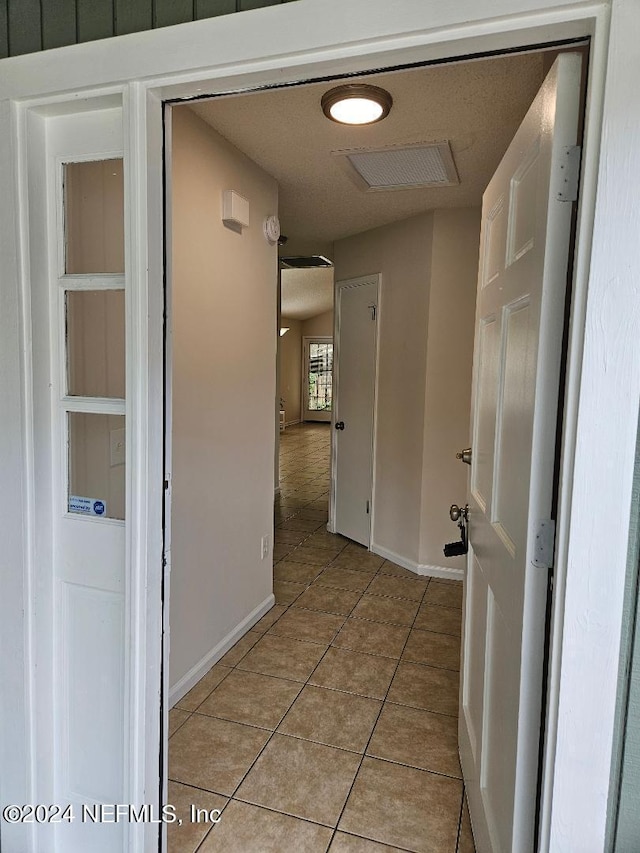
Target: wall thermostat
271,227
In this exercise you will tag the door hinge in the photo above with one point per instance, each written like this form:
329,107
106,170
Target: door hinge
374,311
544,545
367,507
569,173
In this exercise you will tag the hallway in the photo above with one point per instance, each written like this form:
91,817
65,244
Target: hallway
332,724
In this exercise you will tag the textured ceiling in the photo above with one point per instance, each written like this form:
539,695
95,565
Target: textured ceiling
478,105
306,293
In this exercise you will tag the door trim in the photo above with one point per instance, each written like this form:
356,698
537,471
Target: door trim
339,285
603,368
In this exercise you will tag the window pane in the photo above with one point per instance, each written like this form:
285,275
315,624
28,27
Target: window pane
94,217
95,343
96,465
320,376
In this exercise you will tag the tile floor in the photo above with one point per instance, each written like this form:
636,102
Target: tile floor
332,724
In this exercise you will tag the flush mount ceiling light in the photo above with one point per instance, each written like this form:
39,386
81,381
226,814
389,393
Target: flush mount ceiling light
356,103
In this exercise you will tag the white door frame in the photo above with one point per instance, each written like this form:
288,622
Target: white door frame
306,340
255,48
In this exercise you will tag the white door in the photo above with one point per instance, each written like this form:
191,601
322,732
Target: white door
526,225
317,379
356,337
76,202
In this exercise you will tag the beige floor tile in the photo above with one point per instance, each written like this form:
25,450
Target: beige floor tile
354,672
427,687
419,738
251,698
283,658
444,594
397,587
213,754
465,838
313,556
201,690
372,638
301,778
389,568
395,610
239,650
343,843
424,819
185,838
311,625
433,649
286,592
263,625
358,560
328,599
324,539
345,578
312,512
332,717
176,718
292,570
288,537
281,551
442,620
296,523
249,829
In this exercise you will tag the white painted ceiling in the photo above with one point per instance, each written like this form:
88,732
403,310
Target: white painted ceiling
477,105
306,293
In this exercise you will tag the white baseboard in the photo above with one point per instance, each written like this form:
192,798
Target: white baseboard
418,568
204,664
292,423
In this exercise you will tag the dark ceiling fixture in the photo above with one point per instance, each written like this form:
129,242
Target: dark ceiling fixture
356,104
305,262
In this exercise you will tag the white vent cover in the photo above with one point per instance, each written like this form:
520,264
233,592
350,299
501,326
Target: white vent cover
422,165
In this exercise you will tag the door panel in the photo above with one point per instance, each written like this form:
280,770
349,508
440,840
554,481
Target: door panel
78,290
356,305
519,325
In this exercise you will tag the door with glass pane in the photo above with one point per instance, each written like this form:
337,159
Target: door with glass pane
317,379
78,272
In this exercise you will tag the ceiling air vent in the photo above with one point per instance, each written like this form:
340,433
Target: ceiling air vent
306,262
426,164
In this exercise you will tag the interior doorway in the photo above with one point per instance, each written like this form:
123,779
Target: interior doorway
405,368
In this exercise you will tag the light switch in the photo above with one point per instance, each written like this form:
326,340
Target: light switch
117,447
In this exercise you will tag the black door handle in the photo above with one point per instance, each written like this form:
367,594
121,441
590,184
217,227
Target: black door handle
340,425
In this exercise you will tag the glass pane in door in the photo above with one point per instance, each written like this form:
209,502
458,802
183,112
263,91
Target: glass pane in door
96,465
94,217
95,329
320,376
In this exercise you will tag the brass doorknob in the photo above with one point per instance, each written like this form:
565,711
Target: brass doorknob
465,455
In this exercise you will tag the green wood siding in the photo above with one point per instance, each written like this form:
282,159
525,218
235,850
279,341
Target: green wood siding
27,26
624,798
4,30
58,23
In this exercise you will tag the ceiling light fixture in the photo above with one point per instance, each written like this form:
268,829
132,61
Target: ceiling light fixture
356,103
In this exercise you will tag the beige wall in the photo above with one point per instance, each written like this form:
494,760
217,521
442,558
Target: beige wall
401,252
429,269
452,299
224,309
320,326
291,369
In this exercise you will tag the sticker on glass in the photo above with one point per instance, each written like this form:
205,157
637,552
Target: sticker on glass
87,506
